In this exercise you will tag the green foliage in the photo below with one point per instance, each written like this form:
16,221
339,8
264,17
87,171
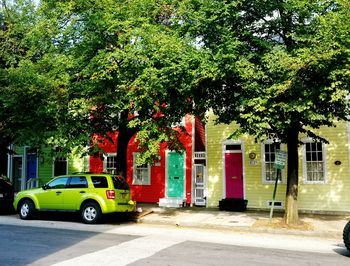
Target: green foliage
69,69
277,68
274,65
91,67
22,102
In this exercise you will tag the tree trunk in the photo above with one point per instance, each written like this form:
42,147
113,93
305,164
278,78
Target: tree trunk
124,136
122,150
291,209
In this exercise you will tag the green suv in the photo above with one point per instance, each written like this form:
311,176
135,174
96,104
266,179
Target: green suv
90,194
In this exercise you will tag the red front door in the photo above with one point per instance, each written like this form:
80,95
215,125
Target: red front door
234,175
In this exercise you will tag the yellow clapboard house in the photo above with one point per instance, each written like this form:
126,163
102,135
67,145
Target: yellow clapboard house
243,168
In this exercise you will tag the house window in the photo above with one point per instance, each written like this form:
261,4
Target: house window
314,162
270,172
60,166
141,174
111,163
233,147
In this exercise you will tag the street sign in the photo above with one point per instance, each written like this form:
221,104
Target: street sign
280,159
279,164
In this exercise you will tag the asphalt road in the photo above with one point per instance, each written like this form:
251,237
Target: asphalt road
199,253
48,242
23,245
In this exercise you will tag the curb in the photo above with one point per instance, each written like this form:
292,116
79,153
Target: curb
173,221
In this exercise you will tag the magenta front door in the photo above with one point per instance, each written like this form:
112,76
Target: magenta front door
234,175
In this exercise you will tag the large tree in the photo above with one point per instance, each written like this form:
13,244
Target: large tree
24,96
280,69
111,66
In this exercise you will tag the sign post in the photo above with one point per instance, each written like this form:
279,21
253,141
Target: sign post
279,164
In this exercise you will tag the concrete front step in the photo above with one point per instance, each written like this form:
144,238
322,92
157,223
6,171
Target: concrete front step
171,202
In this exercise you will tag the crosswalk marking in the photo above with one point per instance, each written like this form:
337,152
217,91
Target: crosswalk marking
125,253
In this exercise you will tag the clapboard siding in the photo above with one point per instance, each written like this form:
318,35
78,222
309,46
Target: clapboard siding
333,195
76,163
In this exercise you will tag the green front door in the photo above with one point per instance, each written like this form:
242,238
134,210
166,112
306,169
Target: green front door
176,175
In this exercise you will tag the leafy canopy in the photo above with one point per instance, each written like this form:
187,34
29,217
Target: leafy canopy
99,66
28,105
274,65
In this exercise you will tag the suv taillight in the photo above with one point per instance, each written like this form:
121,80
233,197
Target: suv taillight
110,194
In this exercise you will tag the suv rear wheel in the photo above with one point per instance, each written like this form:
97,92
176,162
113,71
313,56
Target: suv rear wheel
91,213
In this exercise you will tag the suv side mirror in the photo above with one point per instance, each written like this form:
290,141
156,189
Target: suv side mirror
44,187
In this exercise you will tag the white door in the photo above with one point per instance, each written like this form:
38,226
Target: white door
199,185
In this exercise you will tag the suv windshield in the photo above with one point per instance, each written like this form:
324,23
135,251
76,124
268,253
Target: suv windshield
120,183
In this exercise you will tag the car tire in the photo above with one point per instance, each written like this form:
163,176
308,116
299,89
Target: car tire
26,209
91,213
346,236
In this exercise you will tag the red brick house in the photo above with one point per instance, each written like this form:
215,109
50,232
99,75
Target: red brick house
168,181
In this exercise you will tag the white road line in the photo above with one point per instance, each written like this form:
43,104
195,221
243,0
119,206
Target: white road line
125,253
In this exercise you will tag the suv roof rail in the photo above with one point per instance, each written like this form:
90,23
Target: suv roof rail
91,173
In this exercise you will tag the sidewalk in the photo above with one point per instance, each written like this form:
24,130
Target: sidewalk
324,226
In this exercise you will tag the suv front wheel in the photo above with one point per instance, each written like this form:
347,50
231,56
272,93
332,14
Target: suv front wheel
346,236
91,213
26,209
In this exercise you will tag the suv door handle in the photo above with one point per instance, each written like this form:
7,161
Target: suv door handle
58,192
82,192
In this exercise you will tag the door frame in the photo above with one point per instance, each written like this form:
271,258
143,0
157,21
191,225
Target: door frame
23,156
32,182
224,144
204,184
166,173
10,171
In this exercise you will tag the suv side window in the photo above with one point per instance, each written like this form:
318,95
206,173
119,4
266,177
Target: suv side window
77,182
99,181
120,183
58,183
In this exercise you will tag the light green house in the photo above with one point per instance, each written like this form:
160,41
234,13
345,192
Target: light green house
244,169
29,168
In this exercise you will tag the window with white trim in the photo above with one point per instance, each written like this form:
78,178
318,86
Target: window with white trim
141,173
314,162
269,171
60,166
110,164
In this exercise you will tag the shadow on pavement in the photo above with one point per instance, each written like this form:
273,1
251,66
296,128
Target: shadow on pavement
342,251
114,218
